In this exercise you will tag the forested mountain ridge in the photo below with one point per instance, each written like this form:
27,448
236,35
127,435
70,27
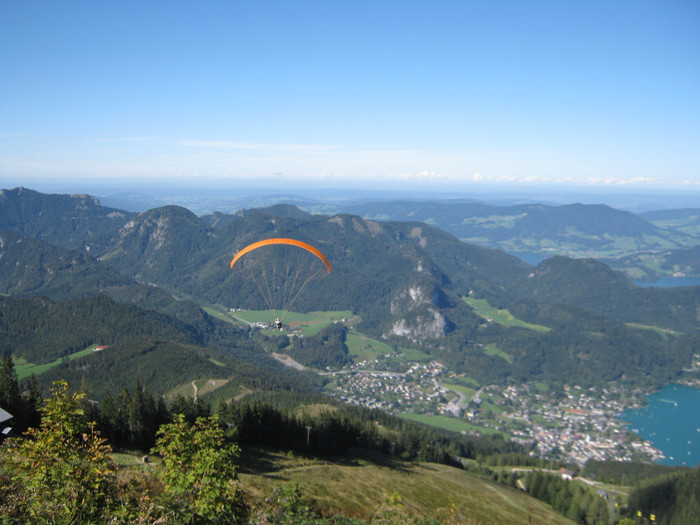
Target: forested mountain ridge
413,252
590,284
154,242
407,282
470,219
141,345
34,267
63,220
30,266
40,329
372,262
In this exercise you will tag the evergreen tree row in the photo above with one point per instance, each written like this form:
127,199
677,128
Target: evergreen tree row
673,499
578,503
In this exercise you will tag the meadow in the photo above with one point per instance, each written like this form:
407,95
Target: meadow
25,369
309,323
501,315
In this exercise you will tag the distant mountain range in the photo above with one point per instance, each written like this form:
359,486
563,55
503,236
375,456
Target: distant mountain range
411,283
645,246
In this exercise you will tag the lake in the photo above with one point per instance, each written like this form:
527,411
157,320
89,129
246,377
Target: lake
532,258
670,282
671,422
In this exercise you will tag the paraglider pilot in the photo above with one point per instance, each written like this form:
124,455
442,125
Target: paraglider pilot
278,322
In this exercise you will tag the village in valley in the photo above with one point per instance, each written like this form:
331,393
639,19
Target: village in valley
571,423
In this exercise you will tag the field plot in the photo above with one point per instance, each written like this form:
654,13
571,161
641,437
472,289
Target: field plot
449,423
492,349
309,323
413,354
363,348
25,369
501,316
198,388
314,322
663,332
462,389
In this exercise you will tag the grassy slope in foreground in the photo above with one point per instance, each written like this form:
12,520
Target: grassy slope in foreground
357,487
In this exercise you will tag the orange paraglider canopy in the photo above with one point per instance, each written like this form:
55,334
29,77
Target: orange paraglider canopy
281,240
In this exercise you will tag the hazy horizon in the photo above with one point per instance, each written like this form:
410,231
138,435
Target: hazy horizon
207,198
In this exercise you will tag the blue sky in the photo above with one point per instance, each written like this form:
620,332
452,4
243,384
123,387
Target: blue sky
429,94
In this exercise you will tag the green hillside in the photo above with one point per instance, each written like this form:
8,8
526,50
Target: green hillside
686,220
26,369
360,483
41,330
595,287
30,267
49,339
501,316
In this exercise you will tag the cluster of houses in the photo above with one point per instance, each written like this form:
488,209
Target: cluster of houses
391,391
581,426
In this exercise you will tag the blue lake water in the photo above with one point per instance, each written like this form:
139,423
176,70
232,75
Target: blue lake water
671,422
530,258
671,282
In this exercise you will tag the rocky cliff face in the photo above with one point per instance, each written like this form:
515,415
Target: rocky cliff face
417,315
420,328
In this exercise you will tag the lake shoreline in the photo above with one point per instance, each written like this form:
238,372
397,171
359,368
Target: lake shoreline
667,422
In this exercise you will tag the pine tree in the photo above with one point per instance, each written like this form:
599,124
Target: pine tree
108,419
10,394
142,418
33,403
